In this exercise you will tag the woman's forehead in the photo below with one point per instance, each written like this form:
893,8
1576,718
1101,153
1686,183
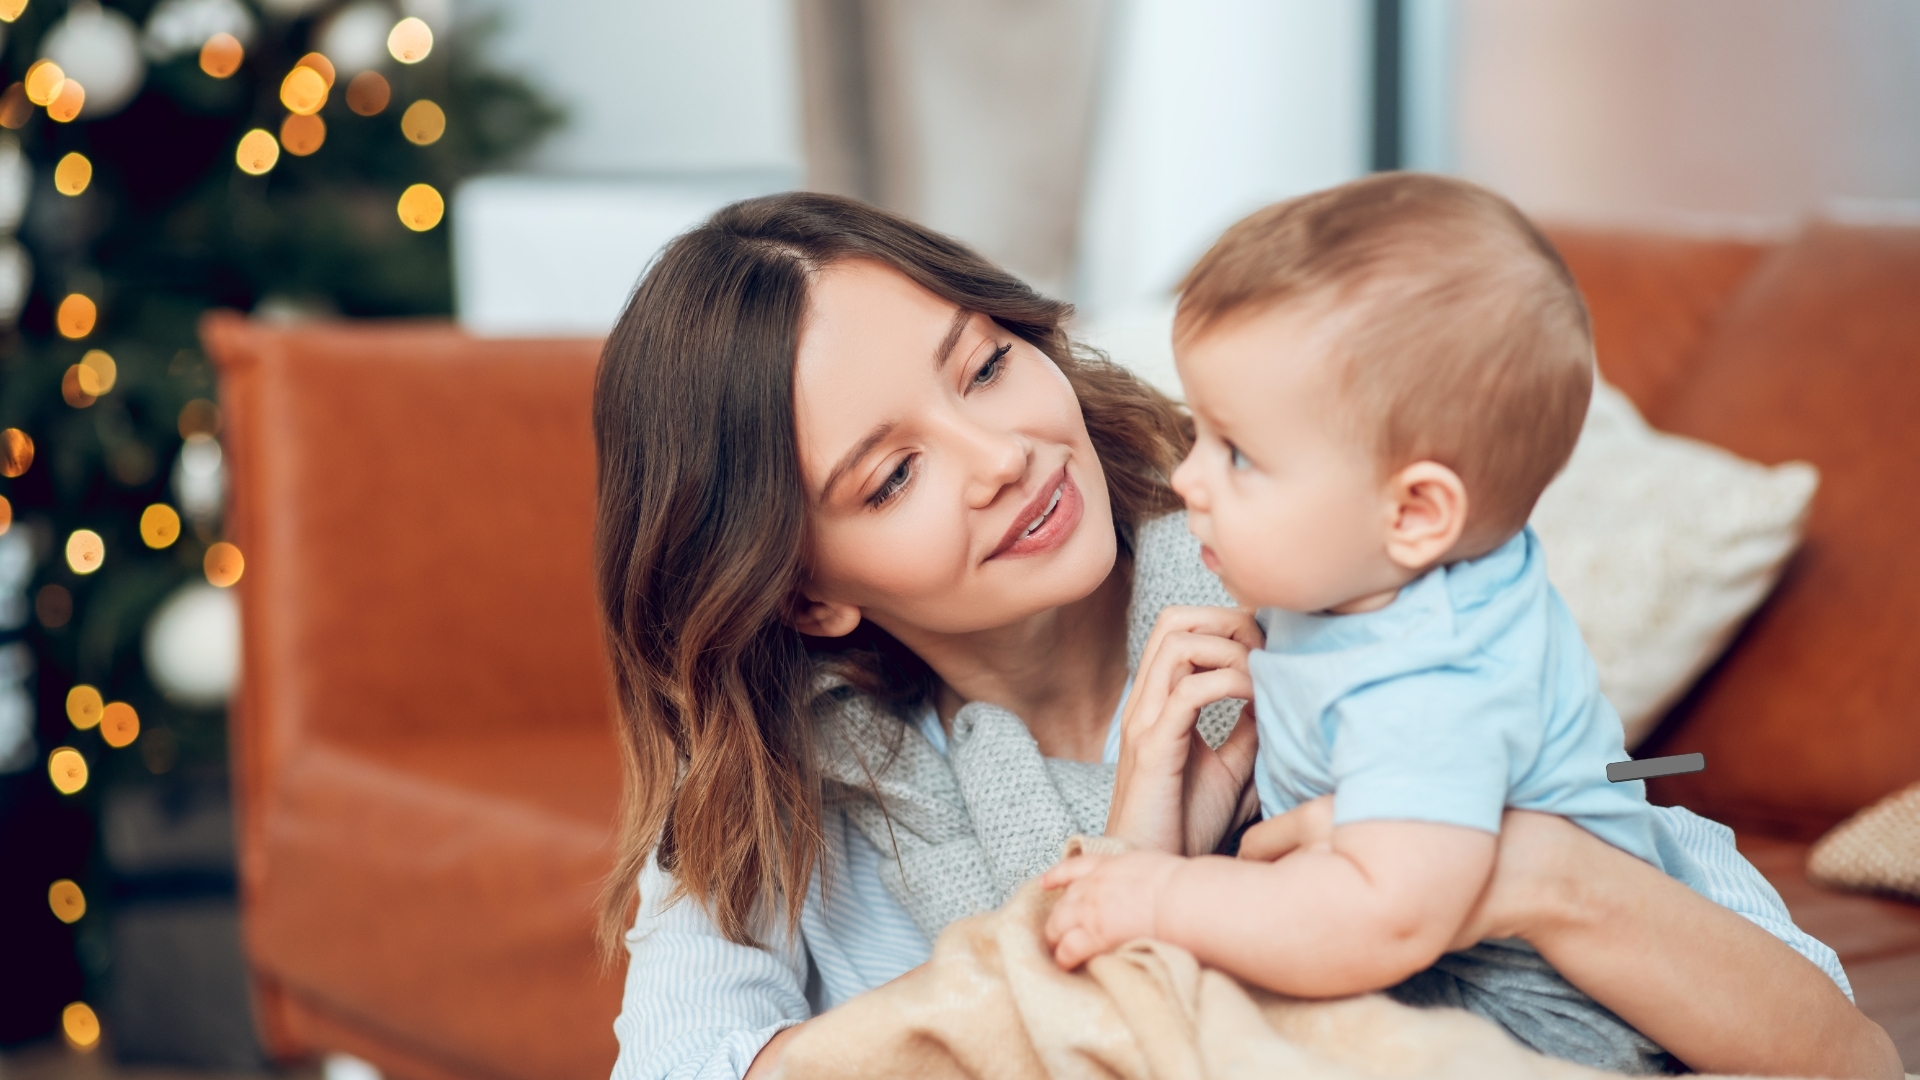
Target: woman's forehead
864,300
870,351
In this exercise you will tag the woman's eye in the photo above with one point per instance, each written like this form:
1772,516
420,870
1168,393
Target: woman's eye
895,480
990,370
1239,459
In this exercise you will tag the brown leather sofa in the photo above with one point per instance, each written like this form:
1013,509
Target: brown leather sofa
422,745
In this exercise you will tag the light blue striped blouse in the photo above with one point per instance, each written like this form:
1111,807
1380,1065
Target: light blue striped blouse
700,1006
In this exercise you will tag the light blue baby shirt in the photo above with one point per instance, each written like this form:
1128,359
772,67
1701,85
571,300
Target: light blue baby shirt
1471,692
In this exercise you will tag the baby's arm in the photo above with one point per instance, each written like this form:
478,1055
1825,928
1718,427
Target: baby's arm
1382,903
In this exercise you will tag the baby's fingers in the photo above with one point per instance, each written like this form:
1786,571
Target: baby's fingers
1308,825
1269,839
1075,947
1068,871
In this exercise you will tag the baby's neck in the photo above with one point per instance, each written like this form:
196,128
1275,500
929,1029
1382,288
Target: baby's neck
1370,602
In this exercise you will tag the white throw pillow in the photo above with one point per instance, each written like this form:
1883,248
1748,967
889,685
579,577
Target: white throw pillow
1661,545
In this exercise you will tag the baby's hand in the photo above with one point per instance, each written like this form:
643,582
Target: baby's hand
1110,900
1308,826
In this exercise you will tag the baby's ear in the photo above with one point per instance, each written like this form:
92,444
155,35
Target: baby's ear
1429,514
822,618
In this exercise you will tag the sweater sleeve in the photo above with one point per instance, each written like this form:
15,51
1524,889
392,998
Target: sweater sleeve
698,1006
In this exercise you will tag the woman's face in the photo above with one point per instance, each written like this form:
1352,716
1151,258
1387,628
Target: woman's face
952,484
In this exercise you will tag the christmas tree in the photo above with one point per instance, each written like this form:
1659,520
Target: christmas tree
290,158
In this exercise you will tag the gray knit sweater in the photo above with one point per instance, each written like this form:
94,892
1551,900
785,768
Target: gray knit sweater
958,832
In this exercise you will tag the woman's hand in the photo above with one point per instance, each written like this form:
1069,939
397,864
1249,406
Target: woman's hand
1172,792
1715,990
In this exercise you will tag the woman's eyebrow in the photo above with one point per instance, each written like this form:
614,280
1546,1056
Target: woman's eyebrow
852,457
961,317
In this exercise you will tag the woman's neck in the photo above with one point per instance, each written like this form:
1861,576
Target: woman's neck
1061,671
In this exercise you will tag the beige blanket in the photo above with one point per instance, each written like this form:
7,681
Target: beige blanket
992,1005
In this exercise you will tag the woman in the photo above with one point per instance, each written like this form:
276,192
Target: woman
877,553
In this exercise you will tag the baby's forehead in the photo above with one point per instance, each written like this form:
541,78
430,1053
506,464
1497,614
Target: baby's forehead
1276,364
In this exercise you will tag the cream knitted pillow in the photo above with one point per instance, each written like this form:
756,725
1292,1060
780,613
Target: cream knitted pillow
1662,546
1875,850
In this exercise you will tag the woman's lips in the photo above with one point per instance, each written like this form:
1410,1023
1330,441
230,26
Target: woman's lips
1057,508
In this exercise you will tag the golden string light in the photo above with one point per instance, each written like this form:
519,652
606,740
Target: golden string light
15,109
79,387
11,9
85,551
302,135
423,123
6,515
100,362
16,452
258,152
84,706
410,40
73,174
221,55
66,900
119,724
43,81
303,91
76,315
223,564
68,102
367,94
321,66
159,526
67,769
421,207
80,1025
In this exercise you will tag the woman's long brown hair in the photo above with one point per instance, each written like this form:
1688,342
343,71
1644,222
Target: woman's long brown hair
700,545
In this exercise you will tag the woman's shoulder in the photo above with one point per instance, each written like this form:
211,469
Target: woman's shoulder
1167,572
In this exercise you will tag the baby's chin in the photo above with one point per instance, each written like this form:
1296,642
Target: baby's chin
1260,595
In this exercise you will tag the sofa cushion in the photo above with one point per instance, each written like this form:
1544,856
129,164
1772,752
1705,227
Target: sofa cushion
1811,714
437,894
1654,299
1875,850
424,751
1661,546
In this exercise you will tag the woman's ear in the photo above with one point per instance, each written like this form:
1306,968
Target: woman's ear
1429,504
823,618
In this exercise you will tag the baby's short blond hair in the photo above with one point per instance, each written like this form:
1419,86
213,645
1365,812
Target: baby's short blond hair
1469,343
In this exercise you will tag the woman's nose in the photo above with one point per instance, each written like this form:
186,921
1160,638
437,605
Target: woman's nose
995,459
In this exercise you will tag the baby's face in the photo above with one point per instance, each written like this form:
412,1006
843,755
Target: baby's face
1285,497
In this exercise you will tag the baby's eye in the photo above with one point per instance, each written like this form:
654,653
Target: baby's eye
1239,459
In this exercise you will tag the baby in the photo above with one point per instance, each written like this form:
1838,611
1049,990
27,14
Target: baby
1383,377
